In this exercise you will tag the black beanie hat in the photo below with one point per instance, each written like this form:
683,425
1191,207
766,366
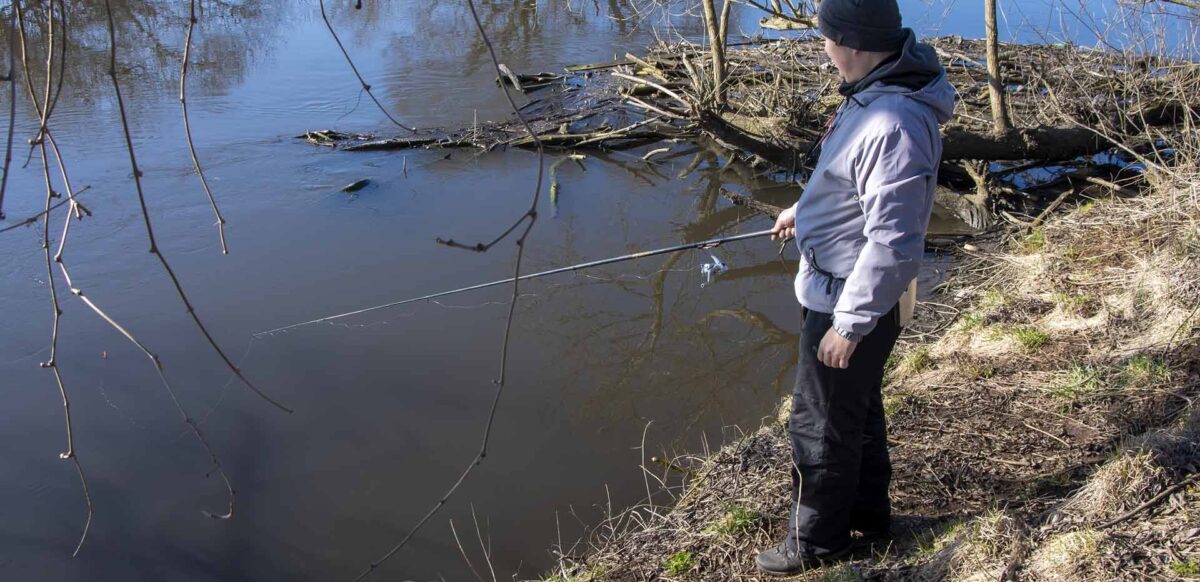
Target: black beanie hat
868,25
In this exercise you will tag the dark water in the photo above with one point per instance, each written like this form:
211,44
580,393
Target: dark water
389,406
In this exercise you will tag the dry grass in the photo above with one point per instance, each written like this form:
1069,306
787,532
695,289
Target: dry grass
977,550
1067,557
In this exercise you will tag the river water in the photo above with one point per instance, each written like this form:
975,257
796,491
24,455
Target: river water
389,406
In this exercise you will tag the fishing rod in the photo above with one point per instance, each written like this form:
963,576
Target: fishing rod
639,255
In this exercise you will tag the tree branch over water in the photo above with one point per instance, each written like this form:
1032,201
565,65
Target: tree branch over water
192,425
154,249
350,61
52,362
12,100
32,219
529,218
187,126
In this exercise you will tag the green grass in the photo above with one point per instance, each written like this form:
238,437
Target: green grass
1190,568
992,299
1030,338
1080,380
970,321
735,521
840,573
976,371
1074,303
892,403
915,361
680,563
1034,242
935,540
593,574
889,368
1143,370
1141,302
986,530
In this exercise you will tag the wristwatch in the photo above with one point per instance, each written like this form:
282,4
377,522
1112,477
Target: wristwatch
854,337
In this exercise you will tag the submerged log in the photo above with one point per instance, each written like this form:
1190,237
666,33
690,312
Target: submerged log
393,143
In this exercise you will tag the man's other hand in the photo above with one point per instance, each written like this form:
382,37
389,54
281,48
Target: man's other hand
785,225
835,350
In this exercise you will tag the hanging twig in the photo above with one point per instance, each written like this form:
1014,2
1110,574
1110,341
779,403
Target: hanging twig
187,127
32,219
531,215
62,65
112,71
154,249
52,361
362,81
12,100
44,109
58,258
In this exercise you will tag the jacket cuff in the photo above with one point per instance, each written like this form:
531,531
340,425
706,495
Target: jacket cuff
854,337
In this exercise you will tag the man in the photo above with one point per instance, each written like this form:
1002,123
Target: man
860,226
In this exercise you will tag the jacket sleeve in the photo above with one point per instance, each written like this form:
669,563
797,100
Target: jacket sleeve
896,175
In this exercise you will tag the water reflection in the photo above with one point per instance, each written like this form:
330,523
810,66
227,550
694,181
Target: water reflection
230,38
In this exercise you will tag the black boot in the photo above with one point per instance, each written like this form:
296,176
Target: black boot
783,560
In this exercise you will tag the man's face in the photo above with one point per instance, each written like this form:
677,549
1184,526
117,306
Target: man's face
842,58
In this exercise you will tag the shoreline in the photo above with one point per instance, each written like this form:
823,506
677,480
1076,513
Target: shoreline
1048,432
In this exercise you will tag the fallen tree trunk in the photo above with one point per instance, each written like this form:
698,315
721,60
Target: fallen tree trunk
1040,143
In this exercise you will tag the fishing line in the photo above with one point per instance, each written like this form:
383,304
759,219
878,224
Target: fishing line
36,354
104,394
643,254
228,383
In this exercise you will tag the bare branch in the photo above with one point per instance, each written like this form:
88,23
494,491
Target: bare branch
795,17
52,361
154,249
362,81
112,71
32,219
463,551
12,100
531,214
187,127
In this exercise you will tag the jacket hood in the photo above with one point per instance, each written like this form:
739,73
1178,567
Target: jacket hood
914,72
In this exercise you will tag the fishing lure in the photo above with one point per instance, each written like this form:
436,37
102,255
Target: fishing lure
712,270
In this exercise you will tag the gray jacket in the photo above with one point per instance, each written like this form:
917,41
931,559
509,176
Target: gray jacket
861,221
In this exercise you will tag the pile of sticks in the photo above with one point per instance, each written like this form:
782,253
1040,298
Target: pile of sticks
1067,104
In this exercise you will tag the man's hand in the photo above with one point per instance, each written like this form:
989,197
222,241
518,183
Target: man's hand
785,225
835,350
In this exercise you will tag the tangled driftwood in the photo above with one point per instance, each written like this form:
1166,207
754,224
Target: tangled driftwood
1067,104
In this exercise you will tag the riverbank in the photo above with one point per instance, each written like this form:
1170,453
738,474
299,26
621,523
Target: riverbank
1049,432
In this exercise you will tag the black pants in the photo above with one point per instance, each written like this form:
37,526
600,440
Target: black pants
840,470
